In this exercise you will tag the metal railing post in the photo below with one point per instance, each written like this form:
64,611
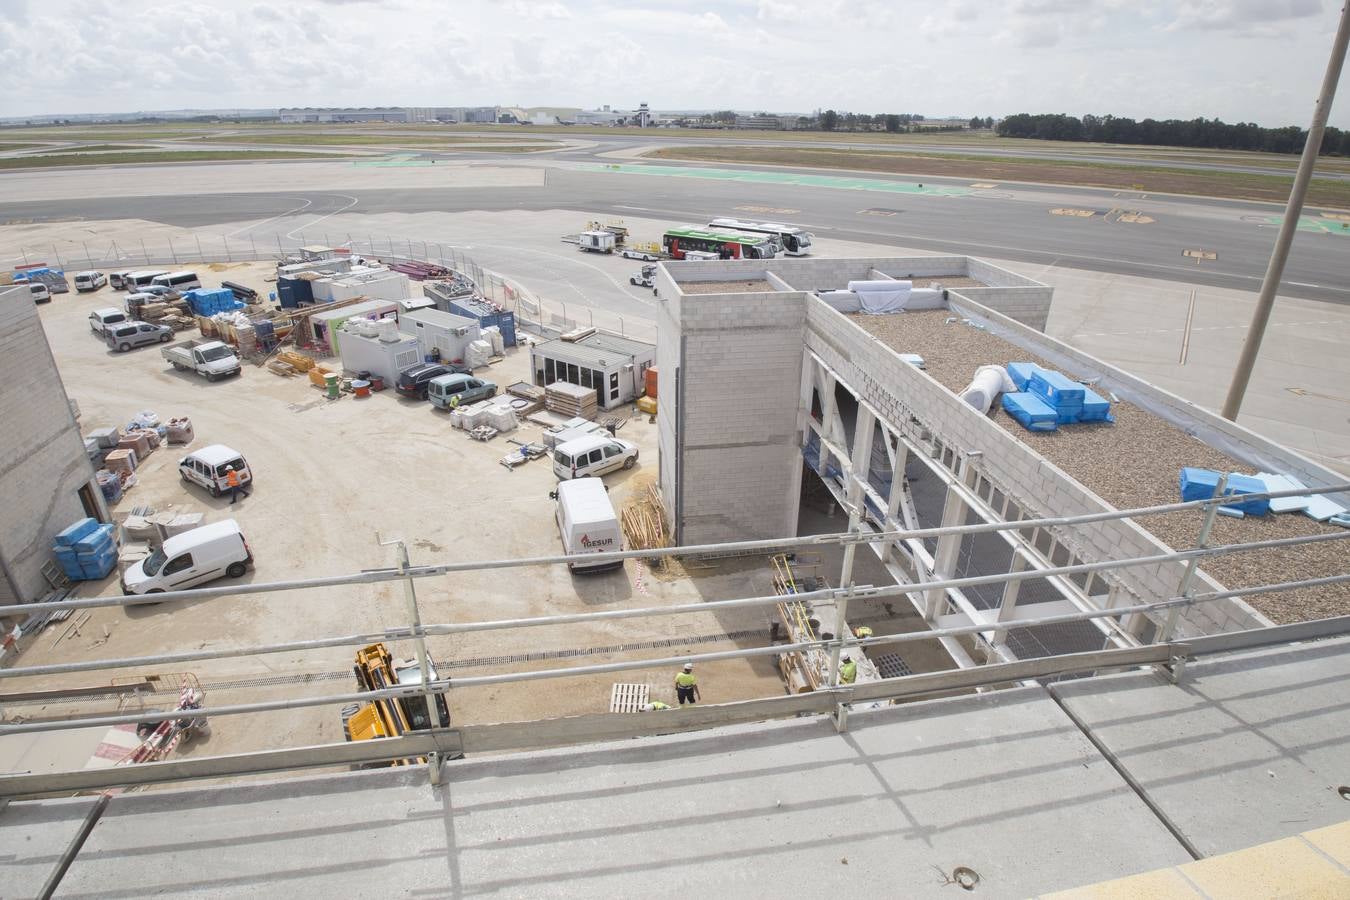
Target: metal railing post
1184,588
434,760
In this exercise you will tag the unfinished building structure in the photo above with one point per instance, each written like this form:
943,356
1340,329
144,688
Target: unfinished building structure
46,479
768,389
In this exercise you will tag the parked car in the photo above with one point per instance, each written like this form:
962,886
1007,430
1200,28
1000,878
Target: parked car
160,292
457,389
209,359
593,456
126,335
89,281
118,280
192,558
41,293
101,319
415,381
207,467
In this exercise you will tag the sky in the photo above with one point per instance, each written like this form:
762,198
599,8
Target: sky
1238,60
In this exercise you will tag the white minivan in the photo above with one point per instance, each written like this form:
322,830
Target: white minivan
178,281
594,455
587,523
190,559
41,293
207,467
89,281
134,281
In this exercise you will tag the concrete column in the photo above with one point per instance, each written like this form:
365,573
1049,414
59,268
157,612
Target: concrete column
1010,591
954,512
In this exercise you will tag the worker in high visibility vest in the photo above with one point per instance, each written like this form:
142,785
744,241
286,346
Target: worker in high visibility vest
862,632
686,685
232,482
654,705
848,671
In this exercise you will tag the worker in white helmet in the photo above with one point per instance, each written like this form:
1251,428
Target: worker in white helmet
848,670
686,685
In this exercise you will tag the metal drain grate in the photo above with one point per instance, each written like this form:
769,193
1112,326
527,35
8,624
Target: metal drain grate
890,665
628,698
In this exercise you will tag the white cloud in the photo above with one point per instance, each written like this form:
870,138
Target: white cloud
962,57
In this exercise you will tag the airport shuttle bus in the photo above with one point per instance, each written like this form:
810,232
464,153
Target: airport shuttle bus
727,245
794,241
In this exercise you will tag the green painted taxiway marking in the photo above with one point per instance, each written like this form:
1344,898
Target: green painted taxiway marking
837,182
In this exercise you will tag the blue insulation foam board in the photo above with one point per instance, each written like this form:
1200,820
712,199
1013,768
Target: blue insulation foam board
1032,411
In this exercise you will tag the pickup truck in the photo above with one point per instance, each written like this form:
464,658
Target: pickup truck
210,359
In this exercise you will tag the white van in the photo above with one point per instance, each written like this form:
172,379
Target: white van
594,455
41,293
191,559
101,319
134,281
207,467
89,281
118,280
178,281
587,523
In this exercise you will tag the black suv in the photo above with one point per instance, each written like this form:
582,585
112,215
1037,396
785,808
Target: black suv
413,382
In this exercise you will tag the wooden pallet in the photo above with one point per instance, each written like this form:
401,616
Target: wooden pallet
629,698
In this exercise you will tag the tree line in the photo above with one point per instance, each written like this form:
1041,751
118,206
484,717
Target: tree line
1208,133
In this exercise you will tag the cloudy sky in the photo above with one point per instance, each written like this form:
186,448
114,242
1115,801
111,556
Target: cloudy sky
1239,60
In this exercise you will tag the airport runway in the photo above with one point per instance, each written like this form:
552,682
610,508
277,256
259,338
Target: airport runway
1194,240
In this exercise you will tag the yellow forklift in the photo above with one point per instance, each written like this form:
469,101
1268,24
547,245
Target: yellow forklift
376,670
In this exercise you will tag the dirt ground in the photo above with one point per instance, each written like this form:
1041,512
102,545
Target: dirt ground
334,479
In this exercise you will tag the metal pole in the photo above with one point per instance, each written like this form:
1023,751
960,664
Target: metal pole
423,661
201,255
1184,588
1293,210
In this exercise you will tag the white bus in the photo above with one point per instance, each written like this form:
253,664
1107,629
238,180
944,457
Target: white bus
794,241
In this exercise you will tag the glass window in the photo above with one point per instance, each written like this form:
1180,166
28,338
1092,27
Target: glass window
595,456
611,451
573,376
614,394
178,564
586,378
614,380
548,372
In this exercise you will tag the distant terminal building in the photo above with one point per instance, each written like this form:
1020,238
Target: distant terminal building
391,114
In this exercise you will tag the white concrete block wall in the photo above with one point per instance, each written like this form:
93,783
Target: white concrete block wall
900,391
1028,305
42,459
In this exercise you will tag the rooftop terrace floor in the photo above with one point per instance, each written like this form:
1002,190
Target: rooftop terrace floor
1249,748
1135,462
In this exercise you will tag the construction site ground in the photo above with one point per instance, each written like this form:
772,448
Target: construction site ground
334,479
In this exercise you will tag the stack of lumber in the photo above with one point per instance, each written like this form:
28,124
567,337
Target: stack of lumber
280,367
571,400
297,361
644,522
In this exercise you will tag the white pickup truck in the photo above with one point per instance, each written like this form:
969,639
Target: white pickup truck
210,359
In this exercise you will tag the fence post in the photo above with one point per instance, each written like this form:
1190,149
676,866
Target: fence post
254,244
145,254
201,254
57,253
173,251
226,240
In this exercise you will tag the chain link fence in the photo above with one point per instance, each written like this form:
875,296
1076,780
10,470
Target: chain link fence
542,316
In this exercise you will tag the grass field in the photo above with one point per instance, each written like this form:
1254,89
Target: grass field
164,156
1273,188
329,139
90,148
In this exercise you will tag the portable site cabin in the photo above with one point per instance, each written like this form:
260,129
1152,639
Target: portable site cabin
440,332
454,297
382,351
613,366
324,326
376,283
413,304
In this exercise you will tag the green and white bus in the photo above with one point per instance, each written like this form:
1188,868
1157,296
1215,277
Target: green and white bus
726,244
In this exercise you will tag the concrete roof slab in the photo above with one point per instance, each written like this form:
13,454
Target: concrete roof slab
1247,749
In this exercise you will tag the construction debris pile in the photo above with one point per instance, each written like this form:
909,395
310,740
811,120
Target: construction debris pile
644,523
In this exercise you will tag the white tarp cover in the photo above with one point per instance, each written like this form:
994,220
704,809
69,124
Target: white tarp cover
877,302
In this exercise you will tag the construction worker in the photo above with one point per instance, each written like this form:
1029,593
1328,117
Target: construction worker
862,632
848,670
232,482
686,685
655,705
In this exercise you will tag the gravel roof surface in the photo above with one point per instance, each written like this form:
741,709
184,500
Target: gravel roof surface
1136,462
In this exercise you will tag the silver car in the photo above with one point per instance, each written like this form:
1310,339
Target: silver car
126,335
